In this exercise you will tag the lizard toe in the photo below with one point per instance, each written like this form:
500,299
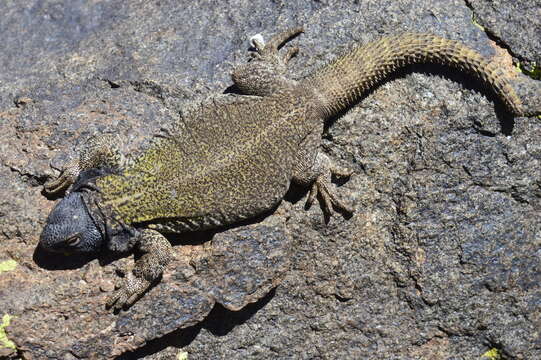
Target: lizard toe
65,180
271,49
132,289
291,53
329,200
281,38
115,301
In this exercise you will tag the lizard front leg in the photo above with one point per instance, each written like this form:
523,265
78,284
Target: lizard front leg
101,152
156,254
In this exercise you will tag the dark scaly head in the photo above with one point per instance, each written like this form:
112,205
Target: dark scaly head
72,228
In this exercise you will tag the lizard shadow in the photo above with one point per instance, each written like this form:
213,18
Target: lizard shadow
57,261
219,322
467,81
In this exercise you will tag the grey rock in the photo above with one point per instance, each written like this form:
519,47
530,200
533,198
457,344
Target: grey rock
515,24
440,260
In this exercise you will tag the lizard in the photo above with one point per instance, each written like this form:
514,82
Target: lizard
233,157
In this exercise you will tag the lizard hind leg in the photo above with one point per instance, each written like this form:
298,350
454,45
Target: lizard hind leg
316,172
265,73
274,44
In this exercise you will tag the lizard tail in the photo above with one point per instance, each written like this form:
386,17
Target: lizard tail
343,81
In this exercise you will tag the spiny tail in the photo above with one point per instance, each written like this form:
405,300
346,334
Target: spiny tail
342,82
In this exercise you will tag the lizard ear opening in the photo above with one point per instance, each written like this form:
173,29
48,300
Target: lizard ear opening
71,228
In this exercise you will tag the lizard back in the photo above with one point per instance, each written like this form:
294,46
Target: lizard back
219,163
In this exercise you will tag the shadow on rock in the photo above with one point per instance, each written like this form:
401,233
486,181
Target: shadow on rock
56,261
467,81
220,321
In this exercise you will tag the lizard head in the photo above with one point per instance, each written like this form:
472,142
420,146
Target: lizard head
71,227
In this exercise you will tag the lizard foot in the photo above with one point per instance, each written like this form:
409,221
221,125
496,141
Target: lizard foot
322,187
156,254
98,152
132,289
271,48
317,172
264,74
67,177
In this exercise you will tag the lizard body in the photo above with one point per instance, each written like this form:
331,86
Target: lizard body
233,157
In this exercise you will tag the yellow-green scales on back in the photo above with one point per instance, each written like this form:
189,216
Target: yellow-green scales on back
218,164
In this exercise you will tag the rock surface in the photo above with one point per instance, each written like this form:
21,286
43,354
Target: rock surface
441,259
511,23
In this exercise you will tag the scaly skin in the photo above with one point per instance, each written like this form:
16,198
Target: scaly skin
219,165
343,81
233,157
237,157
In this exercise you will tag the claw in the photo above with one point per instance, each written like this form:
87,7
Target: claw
132,289
66,178
329,199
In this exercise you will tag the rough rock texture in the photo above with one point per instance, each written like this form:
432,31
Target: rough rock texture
512,23
235,268
441,259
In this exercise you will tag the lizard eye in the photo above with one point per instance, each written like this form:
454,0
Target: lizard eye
73,240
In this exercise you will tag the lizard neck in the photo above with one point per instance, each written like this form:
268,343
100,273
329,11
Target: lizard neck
118,236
